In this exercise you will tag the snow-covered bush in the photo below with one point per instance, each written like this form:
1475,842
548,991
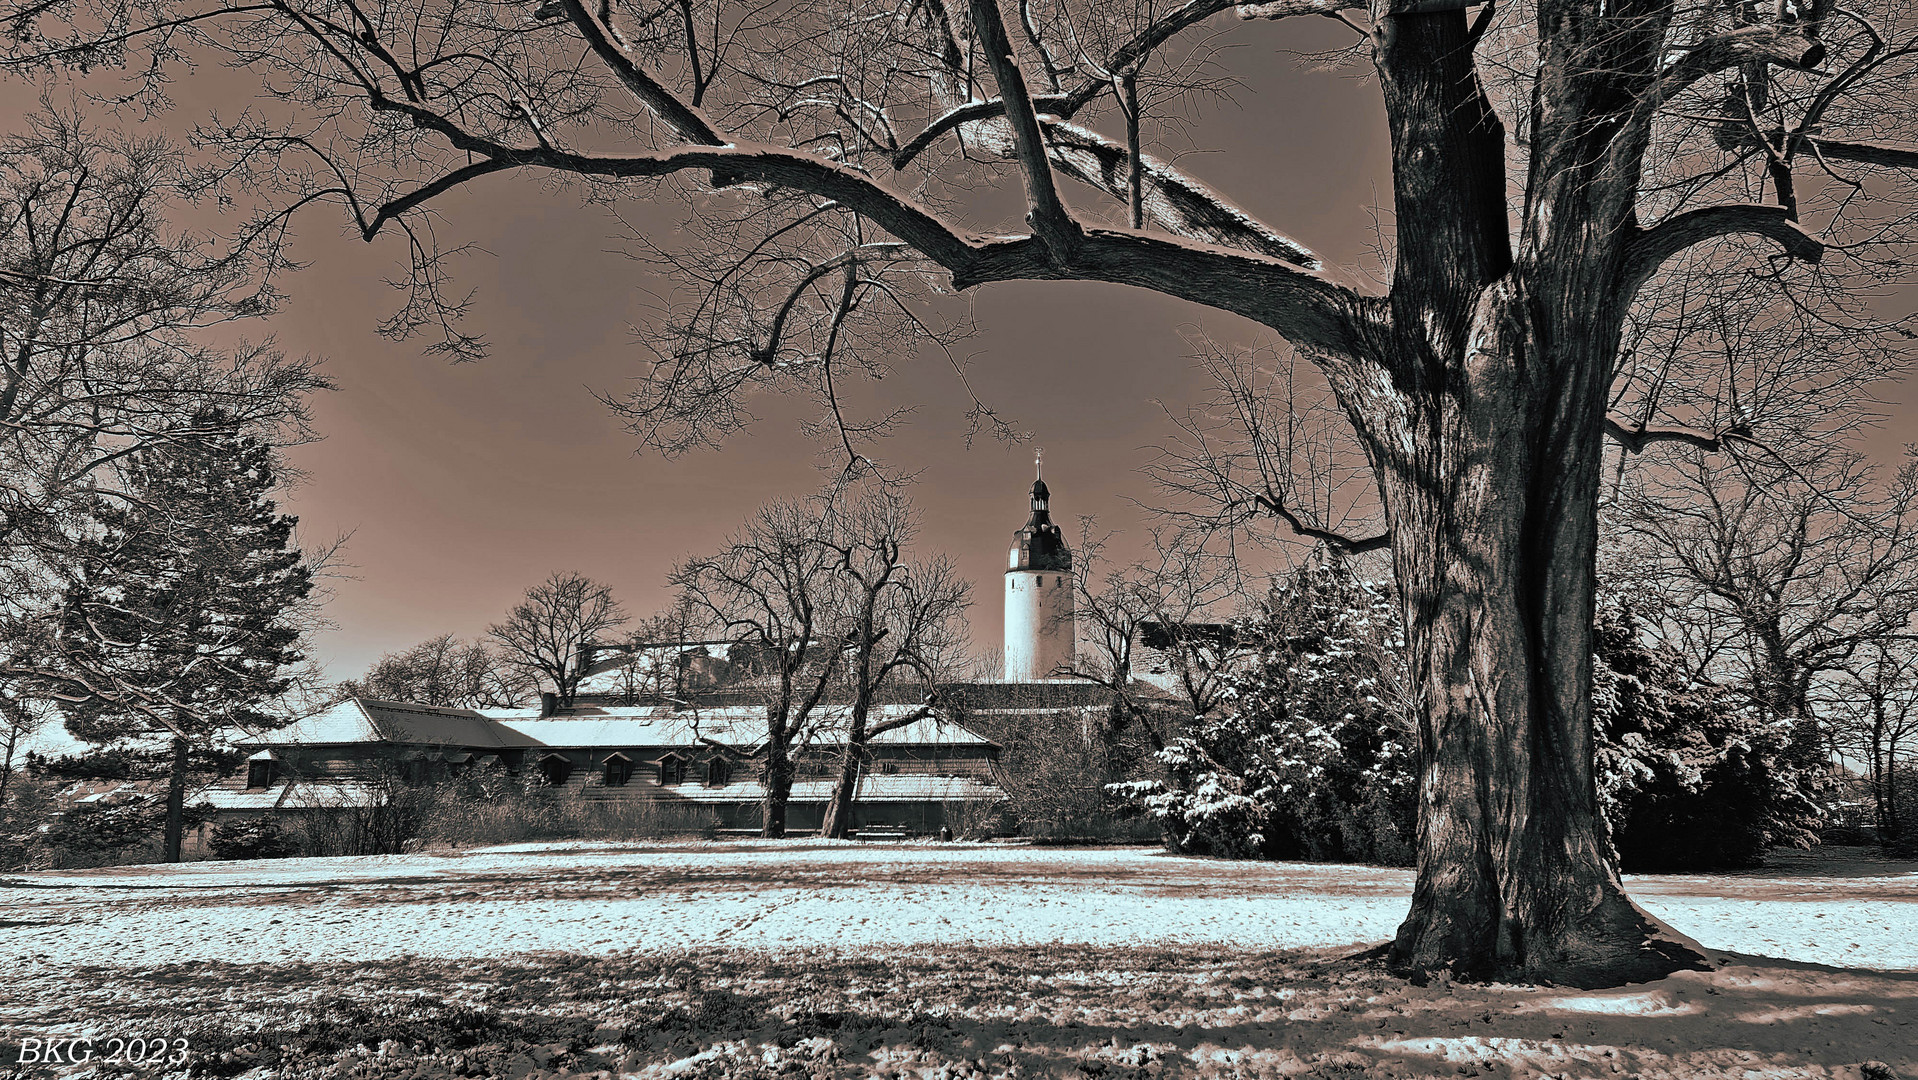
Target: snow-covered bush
1315,754
492,805
1312,754
251,838
105,834
1690,775
1056,759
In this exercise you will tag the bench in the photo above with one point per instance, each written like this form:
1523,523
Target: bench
882,832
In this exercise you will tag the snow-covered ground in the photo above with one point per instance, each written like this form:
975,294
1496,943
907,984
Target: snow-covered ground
1049,958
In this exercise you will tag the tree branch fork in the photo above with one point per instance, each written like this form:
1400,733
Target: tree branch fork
1291,295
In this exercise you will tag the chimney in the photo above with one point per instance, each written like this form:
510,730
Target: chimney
548,703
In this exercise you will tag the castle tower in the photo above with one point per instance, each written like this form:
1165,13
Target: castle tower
1040,628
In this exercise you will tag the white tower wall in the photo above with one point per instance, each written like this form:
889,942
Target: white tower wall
1040,624
1040,631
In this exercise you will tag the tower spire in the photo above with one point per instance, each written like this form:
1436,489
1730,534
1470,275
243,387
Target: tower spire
1040,636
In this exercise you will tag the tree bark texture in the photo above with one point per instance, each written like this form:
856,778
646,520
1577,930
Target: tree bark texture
778,778
845,790
777,789
176,801
1480,397
838,824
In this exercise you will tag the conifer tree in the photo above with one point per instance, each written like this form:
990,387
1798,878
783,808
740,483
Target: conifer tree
182,612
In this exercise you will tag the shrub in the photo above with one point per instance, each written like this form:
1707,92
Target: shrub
93,834
1690,776
979,819
1055,763
494,806
251,838
1311,756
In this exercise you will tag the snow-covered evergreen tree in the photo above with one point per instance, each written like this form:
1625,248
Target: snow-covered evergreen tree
182,611
1691,774
1311,753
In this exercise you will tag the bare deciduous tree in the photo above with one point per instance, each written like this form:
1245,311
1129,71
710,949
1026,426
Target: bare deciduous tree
1267,445
543,634
659,656
1478,381
1874,711
1777,572
893,617
102,310
445,671
770,591
1171,613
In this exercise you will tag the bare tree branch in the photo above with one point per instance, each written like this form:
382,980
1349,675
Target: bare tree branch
1651,247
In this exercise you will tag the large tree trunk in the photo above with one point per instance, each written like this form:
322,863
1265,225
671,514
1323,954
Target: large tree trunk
779,785
176,801
838,824
1480,398
1495,525
845,791
1783,688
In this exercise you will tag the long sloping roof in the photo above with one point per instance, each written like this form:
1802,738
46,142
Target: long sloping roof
739,726
872,789
366,720
360,721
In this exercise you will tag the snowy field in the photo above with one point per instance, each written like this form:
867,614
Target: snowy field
810,958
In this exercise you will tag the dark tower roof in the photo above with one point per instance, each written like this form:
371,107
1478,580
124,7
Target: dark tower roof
1040,545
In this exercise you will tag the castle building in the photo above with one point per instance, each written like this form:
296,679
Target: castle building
1041,624
693,756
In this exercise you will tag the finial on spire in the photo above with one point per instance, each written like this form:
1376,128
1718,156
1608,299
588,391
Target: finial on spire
1039,463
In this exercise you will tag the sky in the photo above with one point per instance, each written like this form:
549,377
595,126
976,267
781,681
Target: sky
462,484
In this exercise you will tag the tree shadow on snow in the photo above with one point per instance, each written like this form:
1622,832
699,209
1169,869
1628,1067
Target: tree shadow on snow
1048,1011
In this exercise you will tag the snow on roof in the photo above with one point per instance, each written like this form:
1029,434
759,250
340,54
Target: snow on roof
112,792
364,720
662,725
930,730
872,789
266,798
882,789
330,795
656,725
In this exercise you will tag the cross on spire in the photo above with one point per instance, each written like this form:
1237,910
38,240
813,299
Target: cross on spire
1039,463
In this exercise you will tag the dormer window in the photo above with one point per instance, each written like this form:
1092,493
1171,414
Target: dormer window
718,771
672,770
556,768
619,769
259,773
